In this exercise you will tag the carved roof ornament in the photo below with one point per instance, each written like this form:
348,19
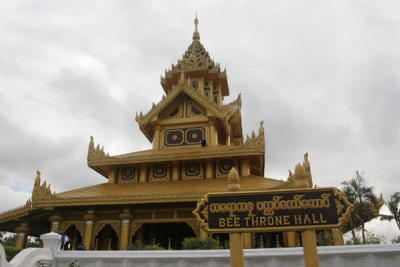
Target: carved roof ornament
233,180
41,191
256,140
302,177
96,152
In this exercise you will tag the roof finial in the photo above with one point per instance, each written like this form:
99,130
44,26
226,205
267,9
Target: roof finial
196,34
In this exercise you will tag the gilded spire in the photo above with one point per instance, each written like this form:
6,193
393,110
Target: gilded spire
196,34
195,58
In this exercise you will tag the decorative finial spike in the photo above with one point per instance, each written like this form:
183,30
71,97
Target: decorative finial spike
196,34
233,180
38,176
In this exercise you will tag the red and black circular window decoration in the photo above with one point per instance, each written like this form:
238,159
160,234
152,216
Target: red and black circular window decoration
192,168
226,165
128,173
160,171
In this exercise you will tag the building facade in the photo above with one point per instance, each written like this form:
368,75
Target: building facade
149,196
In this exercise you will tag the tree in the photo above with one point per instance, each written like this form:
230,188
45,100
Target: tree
365,203
396,240
9,240
393,205
370,238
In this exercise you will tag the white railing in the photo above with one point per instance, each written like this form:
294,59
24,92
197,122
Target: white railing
51,255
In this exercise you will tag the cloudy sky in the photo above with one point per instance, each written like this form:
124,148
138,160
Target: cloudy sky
323,75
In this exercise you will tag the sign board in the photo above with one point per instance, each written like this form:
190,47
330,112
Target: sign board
273,210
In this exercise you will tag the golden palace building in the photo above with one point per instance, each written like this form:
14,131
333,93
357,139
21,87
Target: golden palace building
149,196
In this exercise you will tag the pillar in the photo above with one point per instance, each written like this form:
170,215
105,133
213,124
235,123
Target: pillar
175,171
228,140
55,221
248,240
337,236
89,225
310,248
144,172
209,169
219,94
213,134
236,251
112,176
244,167
156,138
203,234
22,233
125,217
291,239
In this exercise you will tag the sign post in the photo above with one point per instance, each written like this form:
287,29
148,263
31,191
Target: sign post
303,210
310,248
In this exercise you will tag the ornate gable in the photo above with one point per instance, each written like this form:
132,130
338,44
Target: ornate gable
198,97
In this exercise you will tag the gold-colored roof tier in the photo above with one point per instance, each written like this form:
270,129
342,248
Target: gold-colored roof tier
195,62
156,192
254,146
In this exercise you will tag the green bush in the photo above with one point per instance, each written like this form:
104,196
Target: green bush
153,247
11,252
196,243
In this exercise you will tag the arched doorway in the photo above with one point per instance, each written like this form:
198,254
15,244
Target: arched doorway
167,235
106,239
74,236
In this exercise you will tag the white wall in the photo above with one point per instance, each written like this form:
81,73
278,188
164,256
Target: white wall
334,256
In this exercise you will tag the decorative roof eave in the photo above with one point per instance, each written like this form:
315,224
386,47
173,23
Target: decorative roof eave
103,197
254,145
172,78
253,148
16,213
115,200
223,112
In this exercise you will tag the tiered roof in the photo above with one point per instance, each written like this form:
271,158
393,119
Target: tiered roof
195,62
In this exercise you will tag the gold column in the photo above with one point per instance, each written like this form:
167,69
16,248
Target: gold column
337,236
310,248
213,134
22,233
203,234
219,94
89,224
209,169
244,167
175,171
291,239
228,140
125,227
247,240
112,176
156,138
236,245
144,171
55,222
